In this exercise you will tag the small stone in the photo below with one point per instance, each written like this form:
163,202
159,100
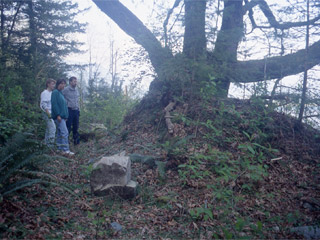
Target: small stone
116,226
147,160
91,160
308,206
276,229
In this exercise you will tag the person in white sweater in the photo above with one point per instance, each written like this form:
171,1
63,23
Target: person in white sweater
45,105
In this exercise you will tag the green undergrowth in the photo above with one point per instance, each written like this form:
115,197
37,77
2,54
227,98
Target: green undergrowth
228,149
222,177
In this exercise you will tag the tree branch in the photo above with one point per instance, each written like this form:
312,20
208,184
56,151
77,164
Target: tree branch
249,5
165,24
131,25
13,23
274,23
253,23
277,67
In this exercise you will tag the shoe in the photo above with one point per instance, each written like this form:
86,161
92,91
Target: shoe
76,141
69,153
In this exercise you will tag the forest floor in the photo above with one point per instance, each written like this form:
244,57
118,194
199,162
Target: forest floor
213,179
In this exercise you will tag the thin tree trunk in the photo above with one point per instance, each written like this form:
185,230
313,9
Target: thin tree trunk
2,20
32,34
305,76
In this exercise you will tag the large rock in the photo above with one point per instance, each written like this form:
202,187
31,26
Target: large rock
114,170
308,232
128,191
112,175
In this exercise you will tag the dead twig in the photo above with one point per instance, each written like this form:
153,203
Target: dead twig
168,117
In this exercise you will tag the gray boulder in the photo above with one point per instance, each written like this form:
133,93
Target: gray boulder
308,232
128,191
113,175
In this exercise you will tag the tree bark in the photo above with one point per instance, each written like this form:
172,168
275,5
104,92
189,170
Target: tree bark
32,33
305,76
226,46
277,67
194,45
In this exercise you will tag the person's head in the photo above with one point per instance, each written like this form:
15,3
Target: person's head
50,83
61,83
73,82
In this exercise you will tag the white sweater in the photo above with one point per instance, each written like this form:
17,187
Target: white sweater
45,102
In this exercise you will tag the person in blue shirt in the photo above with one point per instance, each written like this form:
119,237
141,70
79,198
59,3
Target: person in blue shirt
59,113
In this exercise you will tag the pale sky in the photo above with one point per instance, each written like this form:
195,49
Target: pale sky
101,30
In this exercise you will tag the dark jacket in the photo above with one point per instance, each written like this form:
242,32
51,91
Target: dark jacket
58,105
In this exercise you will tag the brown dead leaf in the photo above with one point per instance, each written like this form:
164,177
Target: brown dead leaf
195,226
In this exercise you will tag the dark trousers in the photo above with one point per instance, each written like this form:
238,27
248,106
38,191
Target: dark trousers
73,122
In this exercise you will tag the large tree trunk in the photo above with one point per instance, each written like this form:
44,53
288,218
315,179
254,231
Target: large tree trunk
194,45
226,46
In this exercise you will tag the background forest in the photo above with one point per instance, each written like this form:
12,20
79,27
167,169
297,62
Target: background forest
225,144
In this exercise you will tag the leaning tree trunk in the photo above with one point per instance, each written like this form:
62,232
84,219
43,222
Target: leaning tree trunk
226,46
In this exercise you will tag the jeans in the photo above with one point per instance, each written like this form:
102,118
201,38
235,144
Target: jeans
62,135
73,122
50,131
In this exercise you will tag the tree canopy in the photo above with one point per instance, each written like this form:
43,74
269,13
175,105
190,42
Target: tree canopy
234,24
35,35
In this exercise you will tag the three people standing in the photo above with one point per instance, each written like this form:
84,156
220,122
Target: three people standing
61,111
71,95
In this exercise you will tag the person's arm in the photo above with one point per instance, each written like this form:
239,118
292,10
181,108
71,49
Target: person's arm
65,93
48,113
44,103
55,105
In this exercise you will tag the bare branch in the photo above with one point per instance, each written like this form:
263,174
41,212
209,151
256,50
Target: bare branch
254,25
249,5
165,23
271,18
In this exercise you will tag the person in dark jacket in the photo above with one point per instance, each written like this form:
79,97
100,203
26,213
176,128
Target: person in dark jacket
71,94
59,113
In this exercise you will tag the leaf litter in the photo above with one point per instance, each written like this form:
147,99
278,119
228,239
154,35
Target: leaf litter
172,207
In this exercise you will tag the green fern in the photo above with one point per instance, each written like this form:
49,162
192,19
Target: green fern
19,156
14,168
18,185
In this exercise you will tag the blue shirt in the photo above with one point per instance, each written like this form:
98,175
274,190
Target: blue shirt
58,105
